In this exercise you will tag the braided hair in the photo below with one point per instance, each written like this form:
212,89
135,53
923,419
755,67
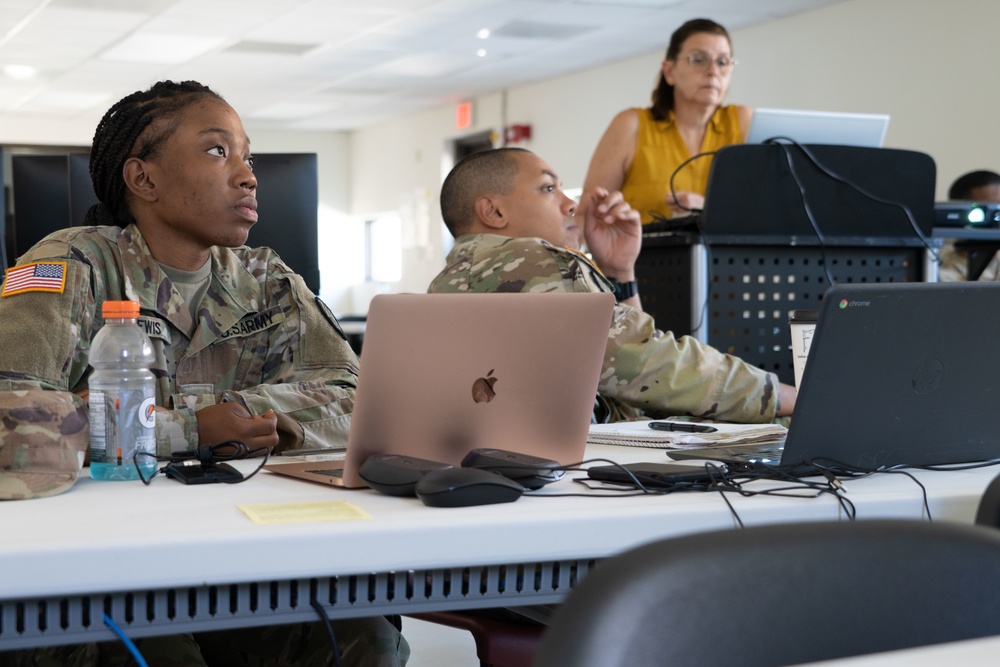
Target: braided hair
121,135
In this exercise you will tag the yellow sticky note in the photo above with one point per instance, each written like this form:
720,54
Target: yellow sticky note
304,512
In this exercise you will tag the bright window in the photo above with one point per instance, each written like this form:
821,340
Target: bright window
384,249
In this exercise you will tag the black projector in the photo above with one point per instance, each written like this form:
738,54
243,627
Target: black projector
966,214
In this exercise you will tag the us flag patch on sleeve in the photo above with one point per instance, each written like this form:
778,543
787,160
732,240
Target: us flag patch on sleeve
35,277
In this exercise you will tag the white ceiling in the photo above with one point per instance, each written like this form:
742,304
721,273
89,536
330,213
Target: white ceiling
326,64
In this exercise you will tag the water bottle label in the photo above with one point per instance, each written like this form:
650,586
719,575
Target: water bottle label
147,413
121,423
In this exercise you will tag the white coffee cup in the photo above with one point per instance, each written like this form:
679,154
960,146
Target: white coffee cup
802,324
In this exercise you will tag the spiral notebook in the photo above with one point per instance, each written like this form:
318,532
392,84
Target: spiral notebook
639,434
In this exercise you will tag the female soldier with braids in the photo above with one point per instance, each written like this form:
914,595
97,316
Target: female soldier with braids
243,349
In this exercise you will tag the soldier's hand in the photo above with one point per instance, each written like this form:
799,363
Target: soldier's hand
613,231
231,421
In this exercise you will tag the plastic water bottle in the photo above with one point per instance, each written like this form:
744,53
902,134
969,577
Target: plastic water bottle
122,396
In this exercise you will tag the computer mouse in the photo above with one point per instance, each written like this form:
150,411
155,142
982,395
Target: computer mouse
531,472
396,475
464,487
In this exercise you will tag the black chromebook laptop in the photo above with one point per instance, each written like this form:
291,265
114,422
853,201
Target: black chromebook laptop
897,374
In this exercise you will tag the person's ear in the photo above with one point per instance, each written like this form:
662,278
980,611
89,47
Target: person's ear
489,214
138,180
668,71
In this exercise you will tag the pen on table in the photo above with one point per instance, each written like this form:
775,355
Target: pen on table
682,427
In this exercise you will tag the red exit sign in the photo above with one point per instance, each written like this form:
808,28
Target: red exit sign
463,115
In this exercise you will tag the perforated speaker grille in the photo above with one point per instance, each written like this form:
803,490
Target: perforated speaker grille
752,290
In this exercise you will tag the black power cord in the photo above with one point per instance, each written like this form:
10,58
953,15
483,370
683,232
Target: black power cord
673,192
785,142
325,619
723,482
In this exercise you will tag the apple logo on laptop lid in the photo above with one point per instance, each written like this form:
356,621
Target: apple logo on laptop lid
482,388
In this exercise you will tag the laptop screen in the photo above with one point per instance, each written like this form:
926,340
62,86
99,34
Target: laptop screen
897,374
818,127
901,373
442,374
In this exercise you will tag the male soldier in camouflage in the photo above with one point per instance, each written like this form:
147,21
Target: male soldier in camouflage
243,349
515,231
981,186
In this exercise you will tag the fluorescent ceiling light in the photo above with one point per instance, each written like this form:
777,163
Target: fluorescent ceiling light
424,65
161,49
658,4
20,71
271,48
532,30
56,100
289,110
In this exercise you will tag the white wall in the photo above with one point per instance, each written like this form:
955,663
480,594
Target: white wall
931,65
567,115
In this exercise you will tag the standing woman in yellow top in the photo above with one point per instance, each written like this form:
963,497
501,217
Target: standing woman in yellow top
642,148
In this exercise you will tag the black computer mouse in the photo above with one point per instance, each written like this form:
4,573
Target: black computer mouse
396,475
463,487
531,472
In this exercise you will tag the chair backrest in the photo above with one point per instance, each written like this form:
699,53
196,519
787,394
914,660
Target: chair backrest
988,512
780,595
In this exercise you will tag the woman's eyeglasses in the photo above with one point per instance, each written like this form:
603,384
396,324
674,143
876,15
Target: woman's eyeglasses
702,62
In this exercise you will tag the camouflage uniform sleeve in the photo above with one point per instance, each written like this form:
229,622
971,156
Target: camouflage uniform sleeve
177,429
43,441
47,333
662,375
953,264
311,383
644,369
42,361
654,372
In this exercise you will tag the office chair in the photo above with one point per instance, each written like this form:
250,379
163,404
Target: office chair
781,594
499,643
988,512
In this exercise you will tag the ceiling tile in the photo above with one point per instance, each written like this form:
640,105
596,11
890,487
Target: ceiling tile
329,64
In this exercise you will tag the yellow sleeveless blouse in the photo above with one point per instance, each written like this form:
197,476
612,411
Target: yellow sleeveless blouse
660,150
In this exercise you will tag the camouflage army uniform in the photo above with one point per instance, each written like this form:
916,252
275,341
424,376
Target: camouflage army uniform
43,440
646,371
262,338
954,262
298,645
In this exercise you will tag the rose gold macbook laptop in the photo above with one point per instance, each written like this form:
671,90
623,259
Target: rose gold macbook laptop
443,374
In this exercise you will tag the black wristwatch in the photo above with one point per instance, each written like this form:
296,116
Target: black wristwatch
624,290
